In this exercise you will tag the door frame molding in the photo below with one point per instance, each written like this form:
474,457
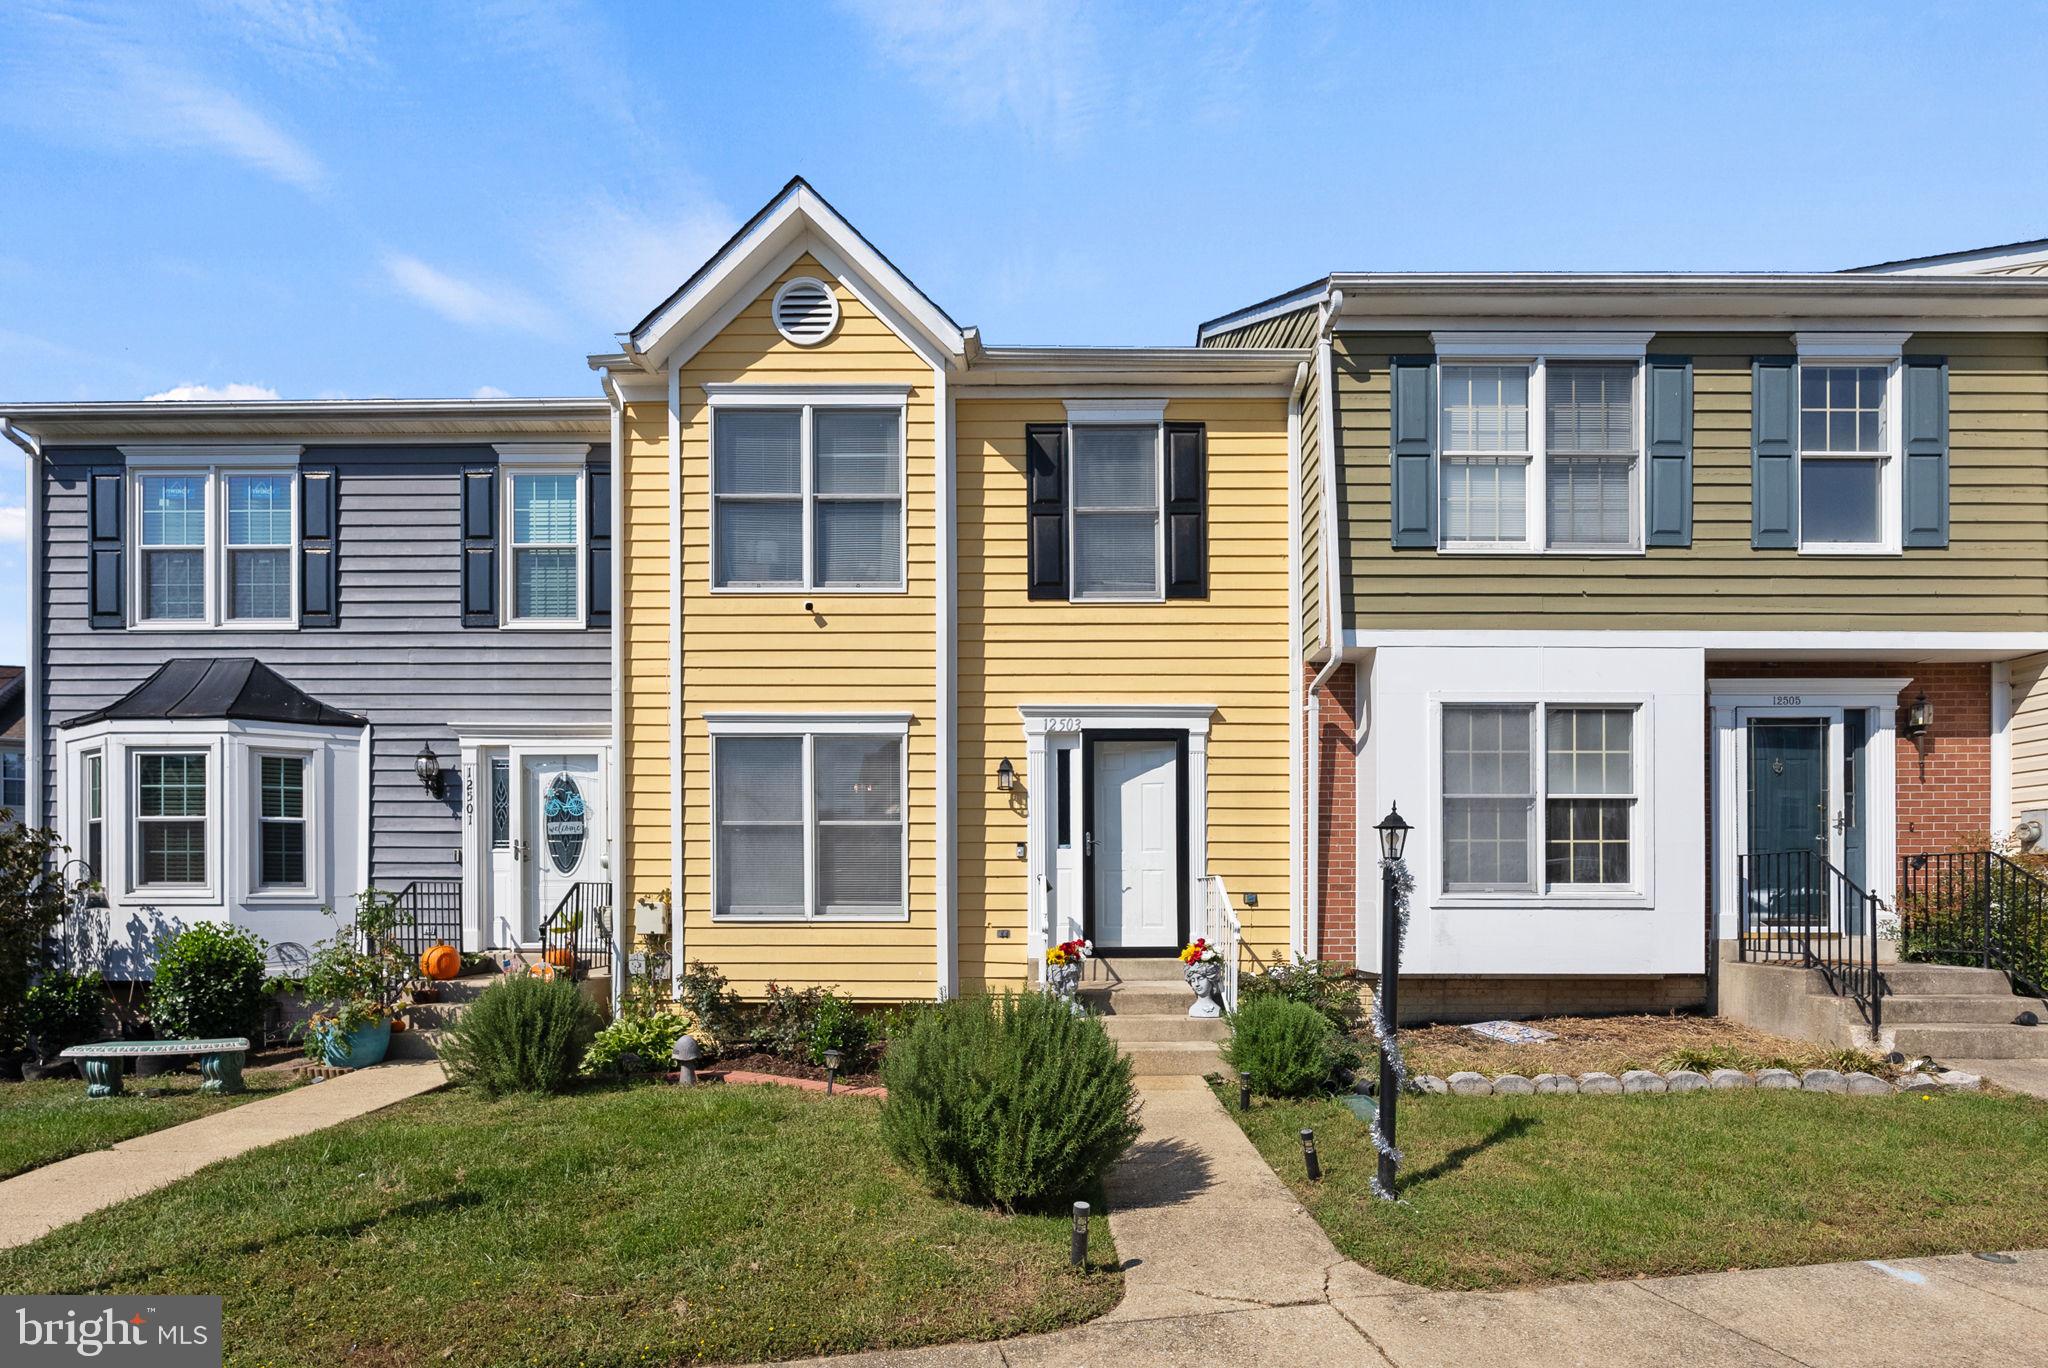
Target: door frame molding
1733,702
1045,720
475,744
1179,741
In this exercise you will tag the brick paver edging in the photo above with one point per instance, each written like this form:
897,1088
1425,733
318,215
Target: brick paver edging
1467,1084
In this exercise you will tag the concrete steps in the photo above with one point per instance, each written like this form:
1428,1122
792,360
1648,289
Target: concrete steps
1946,980
1154,1029
1959,1041
1942,1011
431,1020
1143,1004
1975,1009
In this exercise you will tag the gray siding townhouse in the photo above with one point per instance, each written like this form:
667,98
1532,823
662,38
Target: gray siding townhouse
283,652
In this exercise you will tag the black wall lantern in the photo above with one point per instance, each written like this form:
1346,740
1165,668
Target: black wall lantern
427,766
1006,776
1393,830
1919,717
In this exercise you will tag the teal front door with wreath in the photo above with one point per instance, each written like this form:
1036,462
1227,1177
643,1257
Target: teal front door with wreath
1788,816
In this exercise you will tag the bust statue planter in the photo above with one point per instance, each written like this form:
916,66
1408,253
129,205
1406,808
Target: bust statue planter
1202,967
1063,970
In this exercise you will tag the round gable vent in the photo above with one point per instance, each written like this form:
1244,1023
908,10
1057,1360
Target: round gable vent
806,311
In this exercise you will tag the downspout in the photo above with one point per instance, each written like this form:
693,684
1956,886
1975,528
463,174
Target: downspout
615,801
32,673
675,665
945,914
1312,708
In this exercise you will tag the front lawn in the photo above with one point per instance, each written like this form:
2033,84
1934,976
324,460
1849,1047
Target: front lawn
610,1226
1511,1192
53,1119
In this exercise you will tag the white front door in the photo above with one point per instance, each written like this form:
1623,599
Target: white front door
558,837
1135,824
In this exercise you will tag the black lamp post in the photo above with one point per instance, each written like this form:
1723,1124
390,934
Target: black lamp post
1393,841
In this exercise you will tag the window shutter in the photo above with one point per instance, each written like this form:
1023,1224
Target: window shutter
480,546
104,563
1187,511
1773,455
319,604
1045,480
597,485
1667,383
1412,499
1926,470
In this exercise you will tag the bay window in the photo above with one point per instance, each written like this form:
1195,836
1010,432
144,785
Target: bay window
170,819
281,821
1524,817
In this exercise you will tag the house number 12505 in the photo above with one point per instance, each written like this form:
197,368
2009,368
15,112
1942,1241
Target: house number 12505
1787,701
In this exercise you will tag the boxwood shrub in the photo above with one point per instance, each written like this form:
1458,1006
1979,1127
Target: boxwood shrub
1289,1048
209,984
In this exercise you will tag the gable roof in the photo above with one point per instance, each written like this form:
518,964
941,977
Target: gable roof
2006,258
797,220
239,689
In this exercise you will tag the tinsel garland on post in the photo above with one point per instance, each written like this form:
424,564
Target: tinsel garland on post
1403,884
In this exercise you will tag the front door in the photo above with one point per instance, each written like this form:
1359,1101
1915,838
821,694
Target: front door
1788,817
559,835
1132,845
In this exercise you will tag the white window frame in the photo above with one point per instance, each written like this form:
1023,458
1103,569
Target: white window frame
808,728
1828,351
213,466
518,461
1117,413
310,788
1537,351
804,401
20,757
87,818
210,821
1636,893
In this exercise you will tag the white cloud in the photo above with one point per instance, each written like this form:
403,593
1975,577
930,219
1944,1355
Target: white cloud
13,526
232,390
1036,62
615,261
489,392
318,33
464,301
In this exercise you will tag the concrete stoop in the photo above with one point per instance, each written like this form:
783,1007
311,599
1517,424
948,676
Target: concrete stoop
1143,1002
431,1020
1944,1012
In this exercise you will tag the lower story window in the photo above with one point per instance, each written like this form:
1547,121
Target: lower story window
13,781
1512,808
809,826
96,815
281,821
170,819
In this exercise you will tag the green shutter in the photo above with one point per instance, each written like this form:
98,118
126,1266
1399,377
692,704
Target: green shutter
1667,383
1413,420
1774,454
1926,454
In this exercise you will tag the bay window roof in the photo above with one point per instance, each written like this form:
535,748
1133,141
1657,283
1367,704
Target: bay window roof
239,689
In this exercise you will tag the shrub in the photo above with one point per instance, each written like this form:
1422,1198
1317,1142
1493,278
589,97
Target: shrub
33,903
65,1009
1330,988
649,1036
838,1025
786,1020
1289,1048
1011,1102
712,1005
209,984
522,1034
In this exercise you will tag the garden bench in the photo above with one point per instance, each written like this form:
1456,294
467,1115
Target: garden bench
220,1061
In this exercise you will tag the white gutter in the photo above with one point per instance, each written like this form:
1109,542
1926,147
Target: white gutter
2001,749
1296,912
675,670
1312,706
944,913
32,668
616,800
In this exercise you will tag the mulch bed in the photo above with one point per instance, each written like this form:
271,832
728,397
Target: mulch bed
1609,1044
761,1062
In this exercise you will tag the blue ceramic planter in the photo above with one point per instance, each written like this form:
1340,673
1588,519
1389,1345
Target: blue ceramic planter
366,1046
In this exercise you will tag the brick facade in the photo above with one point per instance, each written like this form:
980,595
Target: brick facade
1337,816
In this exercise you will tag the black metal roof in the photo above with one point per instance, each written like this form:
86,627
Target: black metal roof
240,688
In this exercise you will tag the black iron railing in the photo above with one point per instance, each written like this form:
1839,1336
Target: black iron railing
577,935
430,914
1975,908
1796,908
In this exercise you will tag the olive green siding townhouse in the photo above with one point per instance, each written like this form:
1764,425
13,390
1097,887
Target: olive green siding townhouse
1630,589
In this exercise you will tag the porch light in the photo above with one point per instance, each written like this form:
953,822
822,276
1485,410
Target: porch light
1393,830
1006,776
427,766
1919,717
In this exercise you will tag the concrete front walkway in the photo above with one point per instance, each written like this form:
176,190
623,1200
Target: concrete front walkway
37,1202
1222,1266
2029,1076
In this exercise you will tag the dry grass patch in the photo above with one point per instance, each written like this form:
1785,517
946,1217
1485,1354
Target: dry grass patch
1614,1044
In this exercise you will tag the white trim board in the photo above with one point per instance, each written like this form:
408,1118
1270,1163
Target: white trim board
1915,646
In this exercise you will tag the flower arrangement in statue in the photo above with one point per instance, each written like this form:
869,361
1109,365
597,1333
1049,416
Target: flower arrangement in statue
1063,968
1068,952
1202,967
1200,952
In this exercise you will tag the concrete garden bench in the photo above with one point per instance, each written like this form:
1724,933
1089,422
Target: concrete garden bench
220,1061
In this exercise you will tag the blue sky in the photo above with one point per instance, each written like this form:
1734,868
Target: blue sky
309,198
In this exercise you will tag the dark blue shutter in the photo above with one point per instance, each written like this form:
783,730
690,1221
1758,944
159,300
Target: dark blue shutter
1412,499
1187,515
1926,470
319,603
1667,385
104,565
480,546
597,483
1774,454
1045,514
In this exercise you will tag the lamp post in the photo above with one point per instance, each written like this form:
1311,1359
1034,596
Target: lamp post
1393,841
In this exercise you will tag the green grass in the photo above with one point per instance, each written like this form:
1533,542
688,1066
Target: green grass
43,1122
610,1226
1513,1192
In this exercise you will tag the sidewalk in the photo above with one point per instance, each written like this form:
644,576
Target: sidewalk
1223,1267
37,1202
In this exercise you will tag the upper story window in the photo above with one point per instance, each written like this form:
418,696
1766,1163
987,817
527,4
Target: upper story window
546,537
1117,511
1486,454
1590,441
1845,465
807,491
215,541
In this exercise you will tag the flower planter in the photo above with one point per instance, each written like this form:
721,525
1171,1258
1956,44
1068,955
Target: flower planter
1205,977
367,1045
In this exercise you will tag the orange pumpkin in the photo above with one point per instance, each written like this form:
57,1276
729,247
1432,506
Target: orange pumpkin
562,957
441,962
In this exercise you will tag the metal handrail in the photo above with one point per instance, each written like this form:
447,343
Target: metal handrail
1227,932
579,929
1977,908
431,914
1796,908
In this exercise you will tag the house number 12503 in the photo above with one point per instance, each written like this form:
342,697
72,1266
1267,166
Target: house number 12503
1063,724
